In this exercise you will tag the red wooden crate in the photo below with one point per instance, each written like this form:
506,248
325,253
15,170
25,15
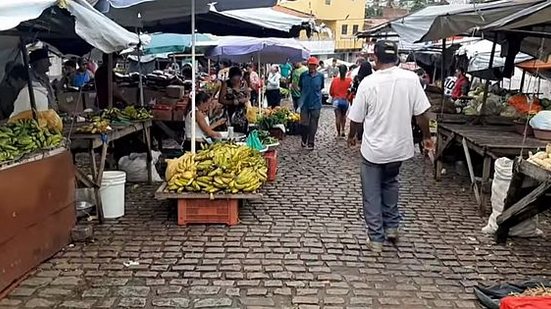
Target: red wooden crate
206,211
271,161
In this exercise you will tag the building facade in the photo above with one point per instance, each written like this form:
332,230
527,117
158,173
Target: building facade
337,21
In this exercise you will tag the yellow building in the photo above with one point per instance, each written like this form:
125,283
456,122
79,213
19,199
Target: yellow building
343,17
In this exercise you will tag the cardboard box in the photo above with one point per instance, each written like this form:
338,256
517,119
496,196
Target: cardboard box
175,91
70,102
131,94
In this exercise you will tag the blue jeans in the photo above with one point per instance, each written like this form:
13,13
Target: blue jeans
380,188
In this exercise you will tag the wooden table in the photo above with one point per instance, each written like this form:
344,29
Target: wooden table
490,142
524,202
84,142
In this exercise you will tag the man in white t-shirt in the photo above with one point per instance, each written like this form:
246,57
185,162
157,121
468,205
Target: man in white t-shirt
385,103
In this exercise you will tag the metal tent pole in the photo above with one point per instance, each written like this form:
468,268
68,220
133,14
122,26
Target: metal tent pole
25,56
193,74
110,80
443,75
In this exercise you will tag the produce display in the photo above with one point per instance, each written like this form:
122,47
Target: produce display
97,125
266,138
46,119
524,104
220,167
253,141
535,291
542,158
129,113
269,117
26,136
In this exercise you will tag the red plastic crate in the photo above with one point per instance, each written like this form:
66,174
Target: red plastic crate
271,161
205,211
527,302
162,112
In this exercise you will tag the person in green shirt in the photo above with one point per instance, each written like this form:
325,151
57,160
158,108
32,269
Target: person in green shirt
285,69
295,78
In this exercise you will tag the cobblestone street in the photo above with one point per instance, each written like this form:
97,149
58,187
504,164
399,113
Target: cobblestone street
303,246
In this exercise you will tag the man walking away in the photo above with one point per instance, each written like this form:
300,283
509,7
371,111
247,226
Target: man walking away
295,78
310,84
385,103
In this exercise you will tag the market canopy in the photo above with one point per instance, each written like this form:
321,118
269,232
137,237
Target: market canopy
443,21
530,26
158,13
266,50
60,22
163,43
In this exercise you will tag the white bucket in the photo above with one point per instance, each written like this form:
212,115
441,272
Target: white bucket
112,194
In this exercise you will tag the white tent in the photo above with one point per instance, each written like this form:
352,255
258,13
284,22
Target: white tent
480,52
266,18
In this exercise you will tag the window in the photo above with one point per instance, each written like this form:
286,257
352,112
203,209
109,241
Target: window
355,29
344,29
327,2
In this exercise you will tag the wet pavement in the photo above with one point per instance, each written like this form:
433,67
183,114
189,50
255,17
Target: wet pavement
303,246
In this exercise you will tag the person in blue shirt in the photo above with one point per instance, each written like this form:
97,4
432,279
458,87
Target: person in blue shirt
82,76
310,84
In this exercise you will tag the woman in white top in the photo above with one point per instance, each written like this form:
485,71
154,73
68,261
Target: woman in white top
273,94
203,129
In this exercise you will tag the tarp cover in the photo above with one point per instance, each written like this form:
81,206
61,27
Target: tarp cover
535,21
177,43
89,24
267,50
158,12
442,21
480,53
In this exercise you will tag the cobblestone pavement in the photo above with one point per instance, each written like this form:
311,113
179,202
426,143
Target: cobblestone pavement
303,246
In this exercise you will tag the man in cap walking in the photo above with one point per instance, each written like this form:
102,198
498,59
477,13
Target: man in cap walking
311,83
385,103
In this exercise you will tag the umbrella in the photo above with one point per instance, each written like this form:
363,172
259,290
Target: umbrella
442,21
162,43
265,50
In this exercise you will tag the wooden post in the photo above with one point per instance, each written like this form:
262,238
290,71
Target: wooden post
487,86
110,81
25,56
443,74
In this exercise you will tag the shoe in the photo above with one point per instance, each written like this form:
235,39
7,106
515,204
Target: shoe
343,135
310,147
392,235
302,144
375,246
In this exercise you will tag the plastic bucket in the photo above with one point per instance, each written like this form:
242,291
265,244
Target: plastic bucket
112,194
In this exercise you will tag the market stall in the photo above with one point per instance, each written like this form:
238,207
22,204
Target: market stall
37,177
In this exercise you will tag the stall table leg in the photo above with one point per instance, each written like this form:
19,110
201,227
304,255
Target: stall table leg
98,178
147,141
486,171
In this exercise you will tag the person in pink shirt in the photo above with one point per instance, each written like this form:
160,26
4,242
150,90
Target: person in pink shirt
254,83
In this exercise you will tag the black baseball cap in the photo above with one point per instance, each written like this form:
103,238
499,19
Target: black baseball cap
39,54
386,47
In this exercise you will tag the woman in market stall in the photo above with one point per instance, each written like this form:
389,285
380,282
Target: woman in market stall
234,95
203,127
339,92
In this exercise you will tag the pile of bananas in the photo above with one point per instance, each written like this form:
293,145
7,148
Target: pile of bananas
25,136
221,167
97,125
129,113
293,117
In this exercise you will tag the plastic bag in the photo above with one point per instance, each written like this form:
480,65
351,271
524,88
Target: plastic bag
135,166
541,120
500,187
253,141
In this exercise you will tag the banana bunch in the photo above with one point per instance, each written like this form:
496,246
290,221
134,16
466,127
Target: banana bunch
294,117
129,113
221,167
25,136
97,125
